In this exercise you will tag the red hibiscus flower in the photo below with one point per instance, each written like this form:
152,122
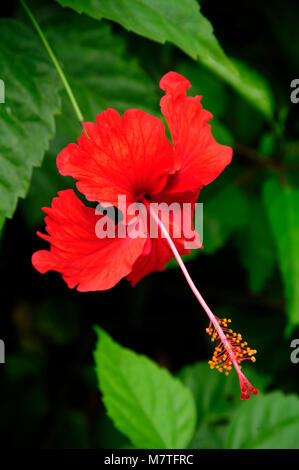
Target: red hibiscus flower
130,155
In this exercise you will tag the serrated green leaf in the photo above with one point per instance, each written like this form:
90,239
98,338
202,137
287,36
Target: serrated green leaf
266,422
152,408
27,116
182,24
105,76
282,207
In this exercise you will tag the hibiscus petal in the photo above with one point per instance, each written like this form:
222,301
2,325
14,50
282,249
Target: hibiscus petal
199,158
155,261
83,259
128,155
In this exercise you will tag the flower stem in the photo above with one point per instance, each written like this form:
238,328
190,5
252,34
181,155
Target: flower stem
196,292
56,63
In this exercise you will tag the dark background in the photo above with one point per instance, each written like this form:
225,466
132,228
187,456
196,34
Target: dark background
49,395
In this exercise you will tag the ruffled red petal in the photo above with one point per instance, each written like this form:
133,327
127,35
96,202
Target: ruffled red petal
199,158
128,155
83,259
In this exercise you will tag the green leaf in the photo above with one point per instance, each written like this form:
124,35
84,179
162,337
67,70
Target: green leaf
105,76
182,24
220,395
256,246
152,408
27,116
282,206
216,401
266,422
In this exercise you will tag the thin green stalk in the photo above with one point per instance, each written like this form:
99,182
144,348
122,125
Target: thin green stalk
55,62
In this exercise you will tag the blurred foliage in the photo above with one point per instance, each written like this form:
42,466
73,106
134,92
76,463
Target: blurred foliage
282,204
247,269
